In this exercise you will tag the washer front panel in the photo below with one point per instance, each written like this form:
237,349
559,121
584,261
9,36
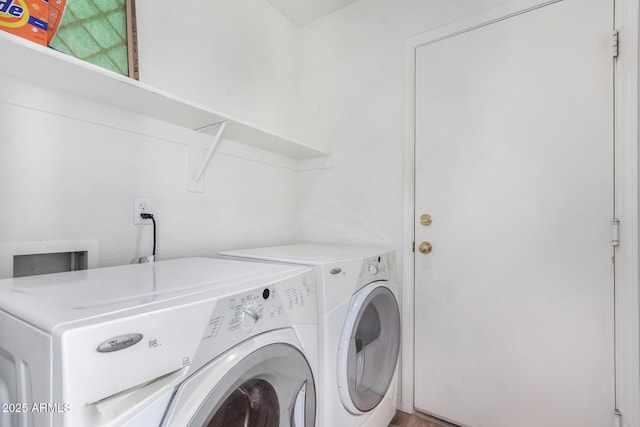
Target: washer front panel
249,386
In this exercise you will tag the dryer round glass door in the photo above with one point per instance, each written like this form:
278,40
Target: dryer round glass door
369,348
271,387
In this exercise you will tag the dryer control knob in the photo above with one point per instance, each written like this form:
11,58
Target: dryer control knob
373,269
249,316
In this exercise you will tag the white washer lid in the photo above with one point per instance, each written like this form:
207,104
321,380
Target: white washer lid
307,254
49,300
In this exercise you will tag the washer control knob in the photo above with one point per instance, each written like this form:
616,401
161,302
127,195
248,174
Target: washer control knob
249,316
373,269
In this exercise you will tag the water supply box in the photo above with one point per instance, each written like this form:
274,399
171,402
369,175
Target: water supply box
25,18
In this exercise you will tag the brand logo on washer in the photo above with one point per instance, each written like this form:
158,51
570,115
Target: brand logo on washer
119,343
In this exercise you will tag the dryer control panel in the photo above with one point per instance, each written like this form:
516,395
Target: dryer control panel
373,269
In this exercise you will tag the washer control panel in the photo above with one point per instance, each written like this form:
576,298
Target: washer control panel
238,316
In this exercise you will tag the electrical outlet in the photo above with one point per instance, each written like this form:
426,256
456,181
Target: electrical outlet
141,205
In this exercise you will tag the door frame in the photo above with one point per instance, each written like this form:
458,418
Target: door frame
626,177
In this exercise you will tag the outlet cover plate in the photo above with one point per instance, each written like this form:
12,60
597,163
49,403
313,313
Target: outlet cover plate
141,205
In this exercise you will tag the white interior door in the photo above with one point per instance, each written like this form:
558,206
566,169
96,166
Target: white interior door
514,162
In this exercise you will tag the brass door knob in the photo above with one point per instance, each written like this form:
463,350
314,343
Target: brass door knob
425,247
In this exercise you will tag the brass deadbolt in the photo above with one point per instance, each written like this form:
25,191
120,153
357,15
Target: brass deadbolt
425,247
425,219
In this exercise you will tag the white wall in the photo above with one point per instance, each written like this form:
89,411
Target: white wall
351,99
64,178
70,169
234,56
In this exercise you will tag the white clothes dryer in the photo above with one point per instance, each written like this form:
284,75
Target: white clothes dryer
187,342
359,329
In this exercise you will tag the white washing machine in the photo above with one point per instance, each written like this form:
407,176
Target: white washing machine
359,329
187,342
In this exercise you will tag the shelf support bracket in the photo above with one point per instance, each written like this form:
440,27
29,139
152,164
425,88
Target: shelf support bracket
214,144
202,157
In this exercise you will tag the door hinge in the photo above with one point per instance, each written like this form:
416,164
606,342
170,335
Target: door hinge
617,419
615,42
413,246
615,232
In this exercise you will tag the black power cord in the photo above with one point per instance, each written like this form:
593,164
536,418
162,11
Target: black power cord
150,216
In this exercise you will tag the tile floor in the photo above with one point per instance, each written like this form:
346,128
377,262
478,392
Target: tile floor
405,420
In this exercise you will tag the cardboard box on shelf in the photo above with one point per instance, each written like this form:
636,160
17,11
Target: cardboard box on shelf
25,18
56,9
